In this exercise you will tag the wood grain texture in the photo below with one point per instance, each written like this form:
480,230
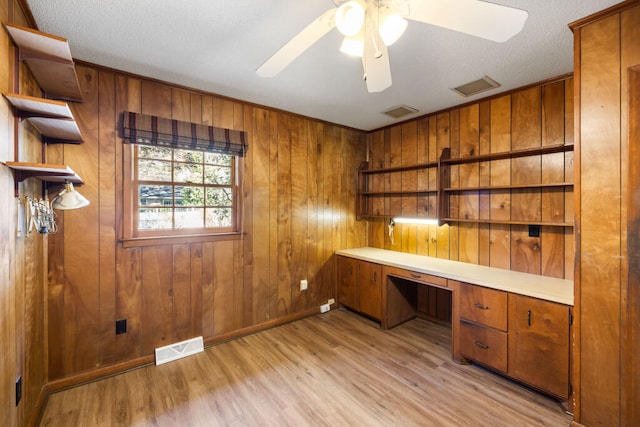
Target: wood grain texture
298,189
536,116
305,374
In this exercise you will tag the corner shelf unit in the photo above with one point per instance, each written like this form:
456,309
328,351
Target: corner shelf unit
50,61
53,119
445,190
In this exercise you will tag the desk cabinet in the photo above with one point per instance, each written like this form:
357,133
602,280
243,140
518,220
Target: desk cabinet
360,286
523,337
539,343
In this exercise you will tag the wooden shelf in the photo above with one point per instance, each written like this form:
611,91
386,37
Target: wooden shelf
397,193
508,154
509,187
387,217
44,172
509,222
50,61
53,119
401,168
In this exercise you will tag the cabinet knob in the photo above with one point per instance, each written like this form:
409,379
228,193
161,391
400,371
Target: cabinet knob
529,318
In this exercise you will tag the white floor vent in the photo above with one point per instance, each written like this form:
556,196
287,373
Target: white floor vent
172,352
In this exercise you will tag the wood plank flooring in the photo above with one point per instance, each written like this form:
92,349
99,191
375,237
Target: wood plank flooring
328,370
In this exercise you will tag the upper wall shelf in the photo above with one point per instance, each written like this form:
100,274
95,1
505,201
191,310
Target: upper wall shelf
53,119
44,172
50,61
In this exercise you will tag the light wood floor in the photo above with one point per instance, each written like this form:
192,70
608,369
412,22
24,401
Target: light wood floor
335,369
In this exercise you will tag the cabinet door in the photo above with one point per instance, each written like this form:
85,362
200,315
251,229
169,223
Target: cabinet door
539,343
347,282
370,288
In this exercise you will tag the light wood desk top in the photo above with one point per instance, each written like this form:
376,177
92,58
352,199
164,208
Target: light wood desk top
546,288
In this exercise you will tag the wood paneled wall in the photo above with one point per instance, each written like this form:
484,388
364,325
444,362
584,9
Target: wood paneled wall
22,254
298,208
606,363
535,116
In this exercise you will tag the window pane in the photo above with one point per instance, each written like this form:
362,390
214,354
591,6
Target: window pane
154,170
155,195
217,175
189,196
189,217
217,159
154,152
219,197
188,156
155,219
187,172
219,217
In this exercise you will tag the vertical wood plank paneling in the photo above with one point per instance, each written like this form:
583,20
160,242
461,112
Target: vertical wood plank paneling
449,135
394,143
157,307
247,227
484,128
81,292
107,229
299,213
377,161
423,239
261,222
600,248
284,263
468,177
224,277
569,214
313,207
273,213
196,279
181,293
208,302
409,182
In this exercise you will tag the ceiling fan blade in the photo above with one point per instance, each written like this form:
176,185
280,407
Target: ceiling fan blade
375,59
477,18
298,44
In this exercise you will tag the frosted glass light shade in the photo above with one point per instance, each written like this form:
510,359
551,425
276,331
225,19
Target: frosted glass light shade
350,17
353,46
69,199
392,27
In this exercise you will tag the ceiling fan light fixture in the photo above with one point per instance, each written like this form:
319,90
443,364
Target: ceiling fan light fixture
350,17
352,46
392,26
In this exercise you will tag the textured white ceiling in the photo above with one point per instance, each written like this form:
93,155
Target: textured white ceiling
216,46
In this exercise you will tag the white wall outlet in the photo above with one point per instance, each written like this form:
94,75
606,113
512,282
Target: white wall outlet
324,308
304,285
331,301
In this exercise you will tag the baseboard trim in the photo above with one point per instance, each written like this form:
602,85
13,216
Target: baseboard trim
119,368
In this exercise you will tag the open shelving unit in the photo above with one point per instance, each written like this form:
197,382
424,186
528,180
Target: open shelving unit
49,59
445,190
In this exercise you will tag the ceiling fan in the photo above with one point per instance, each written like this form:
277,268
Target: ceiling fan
370,26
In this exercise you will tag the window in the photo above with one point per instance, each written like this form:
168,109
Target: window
179,191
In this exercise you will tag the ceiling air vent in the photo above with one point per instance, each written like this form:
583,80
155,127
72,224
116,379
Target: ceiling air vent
399,111
477,86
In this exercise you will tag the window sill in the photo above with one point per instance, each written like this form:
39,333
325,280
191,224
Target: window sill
133,242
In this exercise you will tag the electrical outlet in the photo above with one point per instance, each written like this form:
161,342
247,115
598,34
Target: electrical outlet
331,301
324,308
304,285
121,326
18,390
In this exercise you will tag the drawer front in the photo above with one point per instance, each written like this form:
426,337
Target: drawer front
483,305
484,345
416,277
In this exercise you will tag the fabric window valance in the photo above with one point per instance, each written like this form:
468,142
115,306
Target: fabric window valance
157,131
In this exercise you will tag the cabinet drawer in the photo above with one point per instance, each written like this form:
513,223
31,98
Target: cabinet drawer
484,345
483,305
416,277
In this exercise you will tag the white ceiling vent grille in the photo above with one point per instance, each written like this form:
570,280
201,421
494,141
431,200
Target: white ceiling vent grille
399,111
477,86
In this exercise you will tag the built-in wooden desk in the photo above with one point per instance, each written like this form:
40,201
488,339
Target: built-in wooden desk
515,323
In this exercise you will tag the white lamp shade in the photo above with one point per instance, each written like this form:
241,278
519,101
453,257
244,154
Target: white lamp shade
69,199
350,17
392,27
353,45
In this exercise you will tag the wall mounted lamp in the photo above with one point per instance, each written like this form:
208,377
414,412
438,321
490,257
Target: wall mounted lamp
69,198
